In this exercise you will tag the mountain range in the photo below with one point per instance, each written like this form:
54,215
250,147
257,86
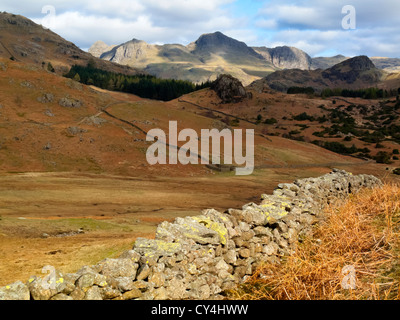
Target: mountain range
204,59
216,53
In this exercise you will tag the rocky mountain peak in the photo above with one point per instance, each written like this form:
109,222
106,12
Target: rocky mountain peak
360,63
214,42
352,69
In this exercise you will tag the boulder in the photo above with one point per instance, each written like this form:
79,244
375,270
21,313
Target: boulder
229,89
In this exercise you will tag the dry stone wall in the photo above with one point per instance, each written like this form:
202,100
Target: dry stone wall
200,257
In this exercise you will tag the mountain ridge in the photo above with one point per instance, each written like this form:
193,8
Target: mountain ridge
215,53
210,55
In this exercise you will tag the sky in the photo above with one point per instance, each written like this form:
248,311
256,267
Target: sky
320,28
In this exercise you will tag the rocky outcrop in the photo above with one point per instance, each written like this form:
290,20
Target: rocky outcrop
200,257
229,89
68,102
286,57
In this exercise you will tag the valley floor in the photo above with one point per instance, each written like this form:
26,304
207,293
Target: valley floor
69,220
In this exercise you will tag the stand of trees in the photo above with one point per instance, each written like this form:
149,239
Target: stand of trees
369,93
299,90
145,86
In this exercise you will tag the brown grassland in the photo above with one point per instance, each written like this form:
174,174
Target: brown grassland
362,232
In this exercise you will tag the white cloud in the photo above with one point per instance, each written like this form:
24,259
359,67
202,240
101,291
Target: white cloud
266,23
85,28
311,25
316,26
86,21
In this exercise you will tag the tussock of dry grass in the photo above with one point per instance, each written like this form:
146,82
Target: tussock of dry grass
362,232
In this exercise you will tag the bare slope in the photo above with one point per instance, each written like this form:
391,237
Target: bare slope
25,41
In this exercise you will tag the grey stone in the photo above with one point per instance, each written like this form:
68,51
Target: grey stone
86,281
115,268
70,102
271,249
15,291
143,272
199,229
109,293
125,284
132,294
231,256
157,248
93,293
157,279
46,98
130,254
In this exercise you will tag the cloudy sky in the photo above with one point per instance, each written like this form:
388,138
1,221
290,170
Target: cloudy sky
313,26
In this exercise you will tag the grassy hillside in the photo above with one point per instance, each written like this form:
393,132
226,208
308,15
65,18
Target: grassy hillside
362,232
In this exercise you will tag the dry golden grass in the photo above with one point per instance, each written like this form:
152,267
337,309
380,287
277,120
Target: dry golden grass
362,232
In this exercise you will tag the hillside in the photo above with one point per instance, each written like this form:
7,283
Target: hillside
354,73
364,128
25,41
50,123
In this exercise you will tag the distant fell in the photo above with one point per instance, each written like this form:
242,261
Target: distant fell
355,73
25,41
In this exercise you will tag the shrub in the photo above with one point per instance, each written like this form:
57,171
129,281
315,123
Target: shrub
299,90
383,157
50,67
271,121
303,117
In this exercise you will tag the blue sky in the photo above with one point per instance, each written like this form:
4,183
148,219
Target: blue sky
314,26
